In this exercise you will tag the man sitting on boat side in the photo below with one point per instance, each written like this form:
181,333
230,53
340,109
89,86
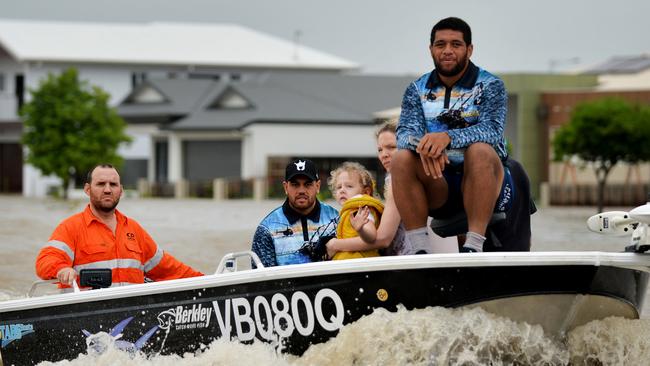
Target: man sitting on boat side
283,235
102,237
452,155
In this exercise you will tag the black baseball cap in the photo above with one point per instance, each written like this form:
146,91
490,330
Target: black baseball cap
303,167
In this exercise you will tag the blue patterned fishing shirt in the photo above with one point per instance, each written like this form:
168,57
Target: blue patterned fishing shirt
284,231
480,100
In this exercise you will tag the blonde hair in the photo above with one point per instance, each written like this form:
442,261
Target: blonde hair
389,126
352,167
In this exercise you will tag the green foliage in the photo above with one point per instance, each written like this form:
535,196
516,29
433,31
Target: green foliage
639,141
604,132
69,127
598,131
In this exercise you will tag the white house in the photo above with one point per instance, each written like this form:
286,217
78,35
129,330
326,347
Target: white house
117,57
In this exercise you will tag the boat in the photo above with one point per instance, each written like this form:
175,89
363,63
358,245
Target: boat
296,306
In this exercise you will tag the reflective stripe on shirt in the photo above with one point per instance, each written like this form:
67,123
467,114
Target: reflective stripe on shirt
154,261
112,264
61,246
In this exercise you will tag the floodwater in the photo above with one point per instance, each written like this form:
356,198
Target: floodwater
200,232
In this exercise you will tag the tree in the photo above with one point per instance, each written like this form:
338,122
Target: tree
69,127
604,132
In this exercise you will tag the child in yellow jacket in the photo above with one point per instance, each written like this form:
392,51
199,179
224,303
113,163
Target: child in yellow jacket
352,187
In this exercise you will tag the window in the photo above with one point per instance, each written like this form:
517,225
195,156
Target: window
138,78
231,99
146,94
20,90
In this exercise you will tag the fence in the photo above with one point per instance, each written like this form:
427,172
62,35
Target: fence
587,195
220,188
156,189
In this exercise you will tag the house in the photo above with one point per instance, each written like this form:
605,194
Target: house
205,129
119,56
622,73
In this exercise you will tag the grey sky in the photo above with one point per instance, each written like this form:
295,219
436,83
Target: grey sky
392,36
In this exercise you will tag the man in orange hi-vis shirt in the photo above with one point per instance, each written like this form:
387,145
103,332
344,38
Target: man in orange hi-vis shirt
102,237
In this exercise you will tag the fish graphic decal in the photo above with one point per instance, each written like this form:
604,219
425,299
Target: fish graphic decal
98,343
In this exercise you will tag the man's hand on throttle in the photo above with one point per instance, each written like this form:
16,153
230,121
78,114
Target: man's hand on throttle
66,275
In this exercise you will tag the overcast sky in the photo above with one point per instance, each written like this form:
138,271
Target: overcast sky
392,36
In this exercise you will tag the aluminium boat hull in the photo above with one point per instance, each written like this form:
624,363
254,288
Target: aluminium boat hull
296,306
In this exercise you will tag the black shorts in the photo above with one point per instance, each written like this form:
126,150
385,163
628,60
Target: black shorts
511,234
454,203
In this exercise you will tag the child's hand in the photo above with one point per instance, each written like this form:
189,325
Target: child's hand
360,218
331,251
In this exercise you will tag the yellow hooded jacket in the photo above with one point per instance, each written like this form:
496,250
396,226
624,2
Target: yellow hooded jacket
345,229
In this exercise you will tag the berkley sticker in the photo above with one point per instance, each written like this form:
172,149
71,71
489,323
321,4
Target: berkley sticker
12,332
183,317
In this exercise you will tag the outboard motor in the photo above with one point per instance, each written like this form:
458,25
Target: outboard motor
620,223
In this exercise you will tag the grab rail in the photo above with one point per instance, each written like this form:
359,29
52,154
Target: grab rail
228,264
229,261
38,283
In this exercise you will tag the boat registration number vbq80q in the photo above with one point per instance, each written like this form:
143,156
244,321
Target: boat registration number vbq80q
282,315
246,317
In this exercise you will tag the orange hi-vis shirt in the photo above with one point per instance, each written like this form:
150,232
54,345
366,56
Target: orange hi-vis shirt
82,241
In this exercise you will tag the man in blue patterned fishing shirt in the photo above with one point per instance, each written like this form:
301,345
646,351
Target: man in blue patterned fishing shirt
288,234
450,139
